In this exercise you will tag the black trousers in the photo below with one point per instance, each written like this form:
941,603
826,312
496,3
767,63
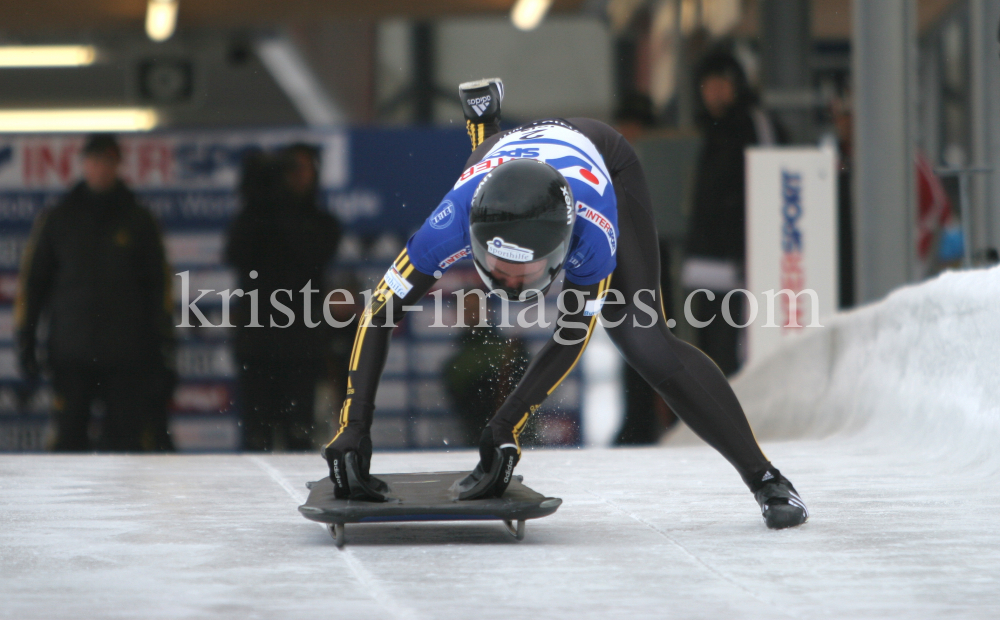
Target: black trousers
277,398
687,380
134,407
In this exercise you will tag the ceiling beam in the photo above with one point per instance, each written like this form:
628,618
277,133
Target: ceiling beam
61,15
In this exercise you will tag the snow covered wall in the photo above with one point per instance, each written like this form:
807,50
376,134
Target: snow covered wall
917,372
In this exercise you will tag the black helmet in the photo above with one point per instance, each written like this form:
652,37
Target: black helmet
521,224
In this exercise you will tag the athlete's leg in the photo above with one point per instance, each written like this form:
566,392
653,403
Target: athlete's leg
686,378
688,381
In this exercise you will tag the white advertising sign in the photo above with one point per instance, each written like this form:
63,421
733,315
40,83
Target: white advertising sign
791,232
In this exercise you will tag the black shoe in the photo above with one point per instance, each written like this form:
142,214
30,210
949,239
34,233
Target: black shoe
349,462
493,473
780,504
481,104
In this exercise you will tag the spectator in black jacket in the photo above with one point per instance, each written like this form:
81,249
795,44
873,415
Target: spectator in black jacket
279,243
95,266
730,121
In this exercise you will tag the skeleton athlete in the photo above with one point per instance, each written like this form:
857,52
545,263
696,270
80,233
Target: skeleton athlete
549,196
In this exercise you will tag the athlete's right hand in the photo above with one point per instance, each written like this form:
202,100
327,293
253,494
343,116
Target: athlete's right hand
349,456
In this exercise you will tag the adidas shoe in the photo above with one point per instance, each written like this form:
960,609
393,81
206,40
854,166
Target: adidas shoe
481,104
780,504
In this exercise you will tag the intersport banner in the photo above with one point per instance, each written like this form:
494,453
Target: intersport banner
791,241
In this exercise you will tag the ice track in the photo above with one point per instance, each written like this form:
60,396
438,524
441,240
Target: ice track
889,420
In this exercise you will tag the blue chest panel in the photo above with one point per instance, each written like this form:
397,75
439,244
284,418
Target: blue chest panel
443,239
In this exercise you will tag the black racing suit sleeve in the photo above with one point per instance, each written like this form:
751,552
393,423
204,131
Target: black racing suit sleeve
371,347
552,365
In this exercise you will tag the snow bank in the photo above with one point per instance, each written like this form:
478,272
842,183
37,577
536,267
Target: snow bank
919,370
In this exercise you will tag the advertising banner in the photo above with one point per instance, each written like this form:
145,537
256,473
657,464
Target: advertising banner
791,230
380,184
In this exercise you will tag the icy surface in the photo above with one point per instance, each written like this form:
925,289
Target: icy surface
642,533
891,422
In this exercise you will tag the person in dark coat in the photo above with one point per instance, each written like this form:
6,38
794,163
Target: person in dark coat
95,267
280,243
730,121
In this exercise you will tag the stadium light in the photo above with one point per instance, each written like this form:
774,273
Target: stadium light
78,119
161,19
23,56
527,14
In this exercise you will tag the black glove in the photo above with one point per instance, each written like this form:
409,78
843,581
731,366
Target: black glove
349,456
493,473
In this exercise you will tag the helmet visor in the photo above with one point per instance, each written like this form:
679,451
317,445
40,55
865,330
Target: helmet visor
516,278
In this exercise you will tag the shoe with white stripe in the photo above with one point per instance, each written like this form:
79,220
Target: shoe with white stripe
780,504
481,105
481,99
